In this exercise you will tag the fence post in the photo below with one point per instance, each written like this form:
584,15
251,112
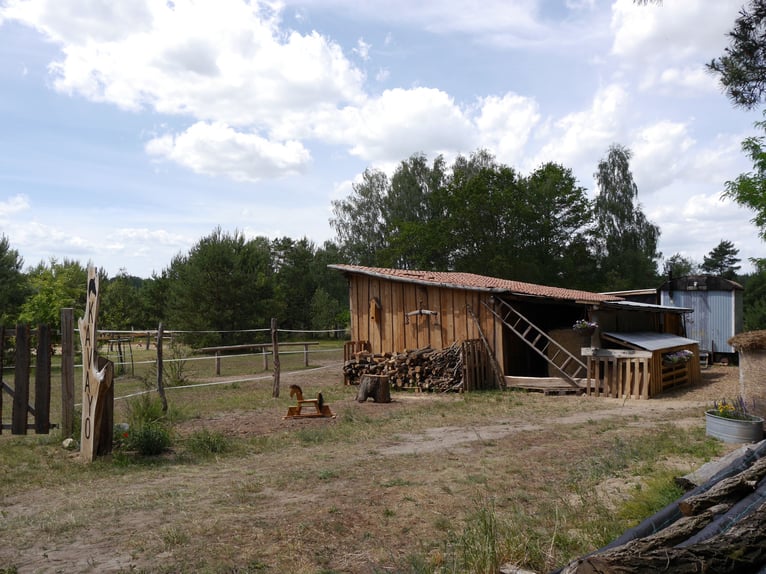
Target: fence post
21,381
160,383
67,372
2,368
106,430
275,350
43,380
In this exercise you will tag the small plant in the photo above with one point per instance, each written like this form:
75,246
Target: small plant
205,442
144,408
149,439
147,430
735,409
584,326
677,357
174,368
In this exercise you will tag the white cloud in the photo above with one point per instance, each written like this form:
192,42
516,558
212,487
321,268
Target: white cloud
579,138
697,223
505,124
399,123
217,149
659,154
163,56
668,44
14,205
362,49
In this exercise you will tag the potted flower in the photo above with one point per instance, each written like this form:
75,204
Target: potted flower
730,422
584,327
678,357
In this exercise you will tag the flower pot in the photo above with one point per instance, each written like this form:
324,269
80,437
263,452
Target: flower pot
734,430
585,331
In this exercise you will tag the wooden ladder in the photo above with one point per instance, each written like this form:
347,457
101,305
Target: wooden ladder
540,342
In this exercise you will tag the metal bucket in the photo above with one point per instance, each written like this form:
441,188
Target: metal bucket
733,430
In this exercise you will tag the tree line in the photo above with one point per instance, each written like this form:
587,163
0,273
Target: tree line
226,283
477,216
481,216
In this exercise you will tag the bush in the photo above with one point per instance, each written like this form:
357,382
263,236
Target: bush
149,439
148,432
144,408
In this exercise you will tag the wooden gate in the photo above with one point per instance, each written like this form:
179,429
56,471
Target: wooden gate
20,391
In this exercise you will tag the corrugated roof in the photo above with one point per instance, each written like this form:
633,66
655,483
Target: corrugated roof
475,282
650,341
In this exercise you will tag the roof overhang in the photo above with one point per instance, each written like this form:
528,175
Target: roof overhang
636,306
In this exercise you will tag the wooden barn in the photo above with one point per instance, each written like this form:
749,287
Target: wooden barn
527,327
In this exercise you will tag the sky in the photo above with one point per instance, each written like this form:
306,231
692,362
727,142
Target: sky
131,130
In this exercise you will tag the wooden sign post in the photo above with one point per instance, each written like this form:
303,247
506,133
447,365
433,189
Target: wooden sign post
95,382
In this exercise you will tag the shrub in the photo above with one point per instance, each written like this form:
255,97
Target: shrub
149,439
144,408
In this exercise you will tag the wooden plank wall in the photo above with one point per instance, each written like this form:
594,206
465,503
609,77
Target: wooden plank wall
392,330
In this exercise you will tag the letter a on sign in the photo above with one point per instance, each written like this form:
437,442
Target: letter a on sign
93,381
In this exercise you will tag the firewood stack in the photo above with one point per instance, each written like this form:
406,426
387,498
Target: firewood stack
423,369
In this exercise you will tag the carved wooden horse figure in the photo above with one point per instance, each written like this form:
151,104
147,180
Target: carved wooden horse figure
321,409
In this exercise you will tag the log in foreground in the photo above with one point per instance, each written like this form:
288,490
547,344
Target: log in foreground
739,550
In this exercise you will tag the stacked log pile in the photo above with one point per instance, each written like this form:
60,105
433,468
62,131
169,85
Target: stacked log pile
423,369
716,527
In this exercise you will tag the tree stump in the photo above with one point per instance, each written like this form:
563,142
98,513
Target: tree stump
375,386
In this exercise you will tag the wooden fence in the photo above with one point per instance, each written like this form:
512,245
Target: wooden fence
20,392
619,373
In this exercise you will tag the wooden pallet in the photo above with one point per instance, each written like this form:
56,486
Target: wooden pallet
545,385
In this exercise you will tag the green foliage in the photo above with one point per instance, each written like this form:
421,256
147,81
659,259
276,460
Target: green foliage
148,433
625,241
205,442
358,219
722,260
742,68
678,266
148,439
479,546
145,408
749,189
54,287
223,284
477,216
13,283
294,285
754,298
174,364
122,305
653,495
326,312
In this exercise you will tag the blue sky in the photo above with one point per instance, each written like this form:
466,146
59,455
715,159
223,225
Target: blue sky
133,129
